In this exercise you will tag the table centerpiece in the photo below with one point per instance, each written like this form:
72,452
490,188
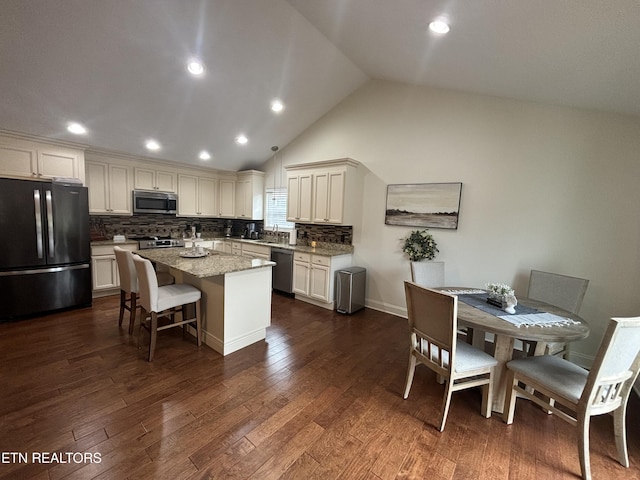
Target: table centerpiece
502,296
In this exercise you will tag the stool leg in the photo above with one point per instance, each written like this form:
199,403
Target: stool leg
153,330
123,299
198,322
134,308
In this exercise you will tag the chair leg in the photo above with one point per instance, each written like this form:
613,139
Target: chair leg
143,317
487,398
583,444
122,302
134,309
620,432
410,371
446,403
153,330
199,322
510,398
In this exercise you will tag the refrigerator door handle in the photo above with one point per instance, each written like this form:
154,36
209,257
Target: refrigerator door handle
38,218
50,223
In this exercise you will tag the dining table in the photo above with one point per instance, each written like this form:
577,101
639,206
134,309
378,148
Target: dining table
533,321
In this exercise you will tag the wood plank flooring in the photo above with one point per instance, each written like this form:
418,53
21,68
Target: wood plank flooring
320,399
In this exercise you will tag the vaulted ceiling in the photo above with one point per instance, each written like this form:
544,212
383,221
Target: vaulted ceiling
119,66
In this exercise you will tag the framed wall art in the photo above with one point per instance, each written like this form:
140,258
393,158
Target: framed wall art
432,205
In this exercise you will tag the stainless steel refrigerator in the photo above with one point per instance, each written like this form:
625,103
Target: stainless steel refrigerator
45,252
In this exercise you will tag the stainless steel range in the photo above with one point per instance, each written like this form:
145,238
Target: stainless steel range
157,242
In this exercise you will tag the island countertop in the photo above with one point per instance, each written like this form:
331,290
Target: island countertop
214,264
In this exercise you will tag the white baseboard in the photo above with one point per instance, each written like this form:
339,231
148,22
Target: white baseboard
386,308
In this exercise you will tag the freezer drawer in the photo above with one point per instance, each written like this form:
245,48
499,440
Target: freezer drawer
350,289
32,292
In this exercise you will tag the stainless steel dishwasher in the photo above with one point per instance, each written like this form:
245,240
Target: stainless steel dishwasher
283,271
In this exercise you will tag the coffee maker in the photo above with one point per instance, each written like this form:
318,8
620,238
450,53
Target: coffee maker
227,228
250,231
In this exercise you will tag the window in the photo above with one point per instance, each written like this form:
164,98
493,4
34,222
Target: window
276,209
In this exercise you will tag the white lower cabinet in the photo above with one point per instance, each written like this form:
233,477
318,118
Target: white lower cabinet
256,251
314,277
106,279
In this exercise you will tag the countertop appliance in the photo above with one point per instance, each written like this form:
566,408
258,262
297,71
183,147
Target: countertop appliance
154,202
282,272
145,242
45,252
350,289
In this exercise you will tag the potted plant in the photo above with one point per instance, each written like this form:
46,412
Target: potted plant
421,248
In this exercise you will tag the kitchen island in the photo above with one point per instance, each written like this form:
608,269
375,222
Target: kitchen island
236,294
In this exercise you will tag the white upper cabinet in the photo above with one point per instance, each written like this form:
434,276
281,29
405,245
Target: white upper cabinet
328,199
109,188
250,195
151,179
197,196
227,198
299,192
39,161
325,192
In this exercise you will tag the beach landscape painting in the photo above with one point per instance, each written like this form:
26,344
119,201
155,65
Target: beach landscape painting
433,205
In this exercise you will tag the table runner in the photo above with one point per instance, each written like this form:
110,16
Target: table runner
524,316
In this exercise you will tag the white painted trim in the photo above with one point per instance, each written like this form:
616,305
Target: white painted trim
386,308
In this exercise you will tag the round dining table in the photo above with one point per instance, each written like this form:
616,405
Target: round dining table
506,333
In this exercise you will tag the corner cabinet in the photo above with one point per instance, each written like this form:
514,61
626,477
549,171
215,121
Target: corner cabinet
314,277
109,188
325,192
249,198
197,196
39,161
226,198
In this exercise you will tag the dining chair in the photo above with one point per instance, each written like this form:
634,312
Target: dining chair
583,393
558,290
158,301
428,274
433,319
129,284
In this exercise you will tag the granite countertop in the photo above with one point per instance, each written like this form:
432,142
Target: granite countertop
97,243
214,264
324,249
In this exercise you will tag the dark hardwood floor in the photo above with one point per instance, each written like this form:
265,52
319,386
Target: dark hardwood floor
320,399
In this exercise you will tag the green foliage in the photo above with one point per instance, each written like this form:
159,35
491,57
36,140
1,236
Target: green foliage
420,245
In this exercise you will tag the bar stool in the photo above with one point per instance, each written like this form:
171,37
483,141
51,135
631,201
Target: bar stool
157,301
129,284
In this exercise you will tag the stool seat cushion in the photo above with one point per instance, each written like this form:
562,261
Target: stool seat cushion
170,296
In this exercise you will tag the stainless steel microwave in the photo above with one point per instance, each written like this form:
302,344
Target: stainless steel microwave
154,202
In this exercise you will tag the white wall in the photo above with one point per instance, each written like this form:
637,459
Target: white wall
544,187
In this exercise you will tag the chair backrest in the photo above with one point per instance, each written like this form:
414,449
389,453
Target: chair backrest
148,283
561,291
616,365
127,270
433,316
428,274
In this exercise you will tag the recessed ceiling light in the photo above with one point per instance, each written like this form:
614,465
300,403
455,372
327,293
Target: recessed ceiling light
277,106
242,139
439,26
195,67
152,144
204,155
76,128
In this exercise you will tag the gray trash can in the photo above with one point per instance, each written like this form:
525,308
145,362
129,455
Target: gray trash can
350,289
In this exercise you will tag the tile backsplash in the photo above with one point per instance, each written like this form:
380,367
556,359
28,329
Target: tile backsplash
105,227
